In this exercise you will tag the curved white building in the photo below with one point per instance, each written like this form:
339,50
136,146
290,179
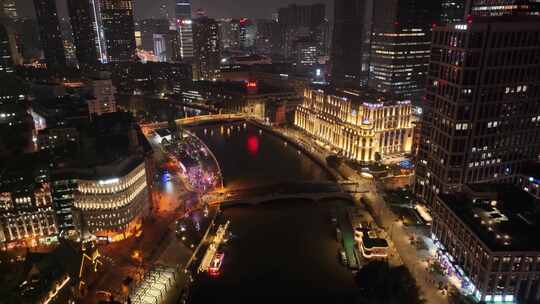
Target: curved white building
112,203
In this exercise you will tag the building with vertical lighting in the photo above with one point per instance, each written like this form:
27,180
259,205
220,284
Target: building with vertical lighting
118,29
481,121
350,52
51,37
362,125
184,23
83,25
207,49
103,30
400,46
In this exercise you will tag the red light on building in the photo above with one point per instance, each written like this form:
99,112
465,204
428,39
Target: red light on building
469,19
251,84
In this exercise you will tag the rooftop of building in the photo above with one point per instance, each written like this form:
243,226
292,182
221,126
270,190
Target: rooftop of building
284,70
504,23
503,217
243,88
111,146
364,96
61,110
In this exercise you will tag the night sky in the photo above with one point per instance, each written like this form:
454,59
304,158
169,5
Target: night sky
213,8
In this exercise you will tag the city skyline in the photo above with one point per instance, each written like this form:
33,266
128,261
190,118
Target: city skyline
146,9
306,149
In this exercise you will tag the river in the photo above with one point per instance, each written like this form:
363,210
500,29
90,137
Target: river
279,249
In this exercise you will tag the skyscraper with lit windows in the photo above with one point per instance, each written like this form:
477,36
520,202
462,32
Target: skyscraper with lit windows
104,29
400,46
482,117
207,49
184,24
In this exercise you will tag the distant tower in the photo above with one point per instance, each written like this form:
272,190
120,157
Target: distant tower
184,24
81,14
6,51
104,30
51,37
207,49
350,48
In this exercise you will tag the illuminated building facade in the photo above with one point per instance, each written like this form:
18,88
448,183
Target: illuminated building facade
363,125
27,217
308,53
114,203
493,8
400,46
481,121
104,191
490,244
207,49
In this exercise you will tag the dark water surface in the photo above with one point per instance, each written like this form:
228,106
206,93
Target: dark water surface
279,250
249,157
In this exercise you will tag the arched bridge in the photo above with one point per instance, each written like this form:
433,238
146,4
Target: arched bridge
195,120
309,190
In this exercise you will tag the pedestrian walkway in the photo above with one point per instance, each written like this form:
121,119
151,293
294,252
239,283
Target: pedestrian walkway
408,253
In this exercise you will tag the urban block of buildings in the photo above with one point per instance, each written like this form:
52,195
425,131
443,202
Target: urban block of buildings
487,231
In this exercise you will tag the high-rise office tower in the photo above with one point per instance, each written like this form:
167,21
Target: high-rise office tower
294,16
207,49
299,22
453,11
119,29
229,30
351,42
107,25
482,122
184,24
400,46
51,37
6,51
495,8
84,31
